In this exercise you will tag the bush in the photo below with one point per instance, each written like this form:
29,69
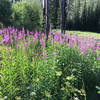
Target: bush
5,12
80,71
27,15
66,76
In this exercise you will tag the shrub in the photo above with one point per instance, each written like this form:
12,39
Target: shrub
78,70
27,15
5,12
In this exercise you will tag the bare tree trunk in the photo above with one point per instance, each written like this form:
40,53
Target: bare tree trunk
67,8
56,13
13,1
47,12
63,15
44,16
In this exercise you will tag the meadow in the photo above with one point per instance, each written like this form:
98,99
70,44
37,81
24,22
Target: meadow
66,67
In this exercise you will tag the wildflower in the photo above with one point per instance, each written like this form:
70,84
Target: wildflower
20,36
7,38
50,33
31,33
15,37
55,53
1,32
37,54
99,58
29,41
18,46
29,45
5,97
36,36
83,50
42,42
45,55
25,43
56,37
33,40
42,35
11,41
24,47
70,44
3,41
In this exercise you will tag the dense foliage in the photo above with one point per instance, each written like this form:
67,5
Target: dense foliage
83,15
5,12
27,14
61,71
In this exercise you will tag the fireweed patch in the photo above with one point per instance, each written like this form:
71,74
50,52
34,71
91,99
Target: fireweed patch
66,69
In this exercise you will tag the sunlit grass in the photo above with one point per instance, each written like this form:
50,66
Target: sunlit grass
91,34
81,33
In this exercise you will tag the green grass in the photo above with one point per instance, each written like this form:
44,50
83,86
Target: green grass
91,34
81,33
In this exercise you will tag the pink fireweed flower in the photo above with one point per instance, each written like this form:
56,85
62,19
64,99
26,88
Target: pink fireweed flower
45,55
24,48
20,36
98,57
16,30
15,37
55,53
31,33
36,36
27,32
42,34
29,41
33,40
3,41
17,46
42,42
50,33
84,50
1,32
29,45
37,54
70,44
12,31
61,41
7,38
56,37
11,41
25,43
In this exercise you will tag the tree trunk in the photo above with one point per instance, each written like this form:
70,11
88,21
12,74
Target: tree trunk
47,12
63,15
67,13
